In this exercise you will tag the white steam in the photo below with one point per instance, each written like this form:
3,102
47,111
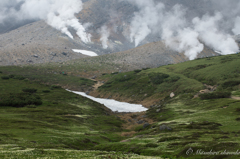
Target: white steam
59,14
104,36
182,34
236,29
146,20
212,36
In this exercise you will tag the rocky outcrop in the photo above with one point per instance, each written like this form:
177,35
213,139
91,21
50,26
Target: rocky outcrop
37,42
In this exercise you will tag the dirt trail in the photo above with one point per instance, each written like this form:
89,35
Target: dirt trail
98,84
235,97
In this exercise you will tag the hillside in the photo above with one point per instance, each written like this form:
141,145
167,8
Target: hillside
200,114
53,122
172,66
186,77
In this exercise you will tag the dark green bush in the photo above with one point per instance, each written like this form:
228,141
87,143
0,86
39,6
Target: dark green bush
0,71
157,78
55,87
19,99
137,71
172,79
153,145
11,76
29,90
46,91
5,77
198,67
230,84
19,77
215,95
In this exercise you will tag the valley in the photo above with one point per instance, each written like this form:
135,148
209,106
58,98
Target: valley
119,79
168,128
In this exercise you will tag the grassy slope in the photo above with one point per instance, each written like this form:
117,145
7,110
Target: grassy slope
199,124
64,121
192,75
206,124
48,75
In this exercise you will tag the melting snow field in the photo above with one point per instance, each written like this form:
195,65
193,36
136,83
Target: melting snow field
85,52
114,105
219,52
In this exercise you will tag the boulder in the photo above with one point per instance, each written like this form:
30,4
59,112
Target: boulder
165,127
158,110
146,125
172,95
140,122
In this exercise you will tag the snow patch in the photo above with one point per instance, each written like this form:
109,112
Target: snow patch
85,52
113,104
219,52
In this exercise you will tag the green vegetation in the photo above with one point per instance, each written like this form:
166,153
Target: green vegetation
216,95
187,77
68,124
157,78
5,77
54,120
148,83
19,99
47,75
29,90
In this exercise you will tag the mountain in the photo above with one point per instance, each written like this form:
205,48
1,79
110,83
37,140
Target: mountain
37,42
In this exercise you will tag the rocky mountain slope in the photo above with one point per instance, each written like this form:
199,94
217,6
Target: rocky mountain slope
37,42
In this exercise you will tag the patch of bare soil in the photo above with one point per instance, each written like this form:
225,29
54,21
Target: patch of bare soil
98,84
208,89
235,97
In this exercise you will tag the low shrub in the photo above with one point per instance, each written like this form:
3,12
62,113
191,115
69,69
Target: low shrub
172,79
137,71
153,145
157,78
55,87
230,84
0,71
46,91
5,77
29,90
215,95
19,77
145,68
19,99
11,76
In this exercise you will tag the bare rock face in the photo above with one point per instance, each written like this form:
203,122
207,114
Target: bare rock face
38,42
